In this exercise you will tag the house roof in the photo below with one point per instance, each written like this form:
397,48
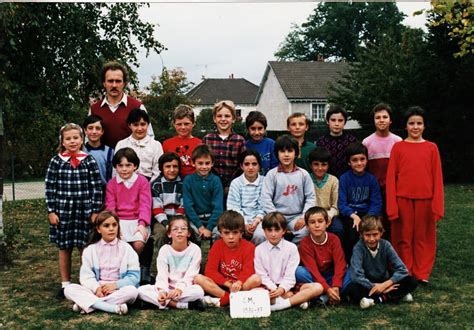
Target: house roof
304,79
210,91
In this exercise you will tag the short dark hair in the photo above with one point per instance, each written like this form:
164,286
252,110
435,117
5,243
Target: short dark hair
113,66
274,220
315,210
371,222
129,154
414,111
297,115
168,157
380,107
254,116
202,150
287,142
355,148
319,154
249,152
92,119
336,108
231,220
136,114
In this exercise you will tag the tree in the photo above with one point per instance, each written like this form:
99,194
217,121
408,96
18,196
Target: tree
166,92
50,60
204,121
458,17
337,30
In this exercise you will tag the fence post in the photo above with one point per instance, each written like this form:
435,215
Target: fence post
3,246
13,176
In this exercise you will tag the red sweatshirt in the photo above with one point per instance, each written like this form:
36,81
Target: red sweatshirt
327,257
184,148
414,172
224,264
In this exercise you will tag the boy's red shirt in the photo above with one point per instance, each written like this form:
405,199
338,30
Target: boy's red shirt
184,148
328,257
224,264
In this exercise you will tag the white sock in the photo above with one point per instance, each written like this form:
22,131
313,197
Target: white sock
65,284
280,305
181,305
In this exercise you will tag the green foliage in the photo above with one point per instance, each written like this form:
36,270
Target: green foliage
337,30
458,17
50,60
204,121
166,92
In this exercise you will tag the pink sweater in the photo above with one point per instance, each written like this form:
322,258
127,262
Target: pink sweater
130,204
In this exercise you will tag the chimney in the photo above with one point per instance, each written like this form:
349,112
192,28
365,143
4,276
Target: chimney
231,76
203,77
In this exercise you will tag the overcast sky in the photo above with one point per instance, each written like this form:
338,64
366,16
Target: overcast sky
217,39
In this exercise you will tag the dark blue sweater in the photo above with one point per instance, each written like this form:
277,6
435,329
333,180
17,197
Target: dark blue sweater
359,193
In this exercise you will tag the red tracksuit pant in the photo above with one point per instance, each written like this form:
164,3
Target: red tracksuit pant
414,236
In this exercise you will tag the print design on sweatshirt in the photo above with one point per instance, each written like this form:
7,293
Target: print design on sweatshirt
290,190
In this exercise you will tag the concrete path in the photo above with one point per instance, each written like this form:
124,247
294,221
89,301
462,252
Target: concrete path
23,190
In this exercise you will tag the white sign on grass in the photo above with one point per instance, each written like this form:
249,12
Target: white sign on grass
249,304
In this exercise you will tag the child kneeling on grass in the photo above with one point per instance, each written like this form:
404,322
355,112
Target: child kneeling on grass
230,266
109,272
177,264
378,275
276,261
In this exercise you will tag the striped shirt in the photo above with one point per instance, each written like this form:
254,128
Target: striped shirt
244,197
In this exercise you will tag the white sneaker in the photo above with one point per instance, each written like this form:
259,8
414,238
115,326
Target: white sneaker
76,308
366,303
305,305
209,301
122,309
408,298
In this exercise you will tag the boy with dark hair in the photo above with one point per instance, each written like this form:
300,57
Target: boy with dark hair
326,188
337,139
377,272
203,195
379,145
322,257
256,124
359,194
230,266
276,261
298,124
288,189
184,142
102,154
167,196
148,149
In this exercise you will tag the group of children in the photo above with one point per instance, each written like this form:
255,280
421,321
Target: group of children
310,209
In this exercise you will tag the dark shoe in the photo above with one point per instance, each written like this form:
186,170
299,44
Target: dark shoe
197,305
60,294
423,283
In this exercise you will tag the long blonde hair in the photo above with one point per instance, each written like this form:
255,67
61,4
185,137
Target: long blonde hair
65,128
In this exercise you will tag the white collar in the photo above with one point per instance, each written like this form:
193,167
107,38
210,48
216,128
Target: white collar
255,183
123,100
129,182
270,246
372,252
66,158
323,242
140,143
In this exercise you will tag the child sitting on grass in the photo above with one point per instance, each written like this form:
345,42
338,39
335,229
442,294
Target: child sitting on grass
276,261
378,275
230,263
109,272
177,264
322,258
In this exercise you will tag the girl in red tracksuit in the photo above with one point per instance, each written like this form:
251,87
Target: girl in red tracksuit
415,197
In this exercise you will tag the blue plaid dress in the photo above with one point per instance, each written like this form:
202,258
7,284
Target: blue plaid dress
73,194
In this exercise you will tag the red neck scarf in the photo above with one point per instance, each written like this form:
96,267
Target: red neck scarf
74,158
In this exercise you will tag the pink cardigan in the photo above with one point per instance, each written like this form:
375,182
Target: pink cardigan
130,204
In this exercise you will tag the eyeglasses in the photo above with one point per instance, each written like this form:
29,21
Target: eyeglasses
176,229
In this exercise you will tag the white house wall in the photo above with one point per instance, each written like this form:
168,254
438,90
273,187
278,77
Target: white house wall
274,104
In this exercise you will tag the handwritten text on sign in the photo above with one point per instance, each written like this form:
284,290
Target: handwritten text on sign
248,304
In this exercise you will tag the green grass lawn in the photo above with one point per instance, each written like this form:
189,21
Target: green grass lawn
30,282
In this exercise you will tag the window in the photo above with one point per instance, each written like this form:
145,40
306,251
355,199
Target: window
317,111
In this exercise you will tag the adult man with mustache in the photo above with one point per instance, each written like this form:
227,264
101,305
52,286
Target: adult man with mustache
116,105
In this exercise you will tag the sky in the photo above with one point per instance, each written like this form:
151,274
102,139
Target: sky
215,40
